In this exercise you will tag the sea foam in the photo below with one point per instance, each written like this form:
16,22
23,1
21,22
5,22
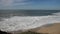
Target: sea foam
27,22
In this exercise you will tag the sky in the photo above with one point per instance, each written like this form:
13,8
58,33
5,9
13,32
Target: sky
30,4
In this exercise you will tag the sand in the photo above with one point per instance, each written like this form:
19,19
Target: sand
53,29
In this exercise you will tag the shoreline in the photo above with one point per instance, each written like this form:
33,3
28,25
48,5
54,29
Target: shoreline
43,29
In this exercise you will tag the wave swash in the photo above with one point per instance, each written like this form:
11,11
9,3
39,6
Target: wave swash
28,22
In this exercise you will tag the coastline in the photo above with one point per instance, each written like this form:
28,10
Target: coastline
54,29
48,28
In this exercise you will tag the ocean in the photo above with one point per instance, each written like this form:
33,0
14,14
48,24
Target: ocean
27,12
14,20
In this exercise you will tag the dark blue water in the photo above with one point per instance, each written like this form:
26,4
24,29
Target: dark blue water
8,13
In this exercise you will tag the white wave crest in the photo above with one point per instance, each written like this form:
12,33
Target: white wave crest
20,23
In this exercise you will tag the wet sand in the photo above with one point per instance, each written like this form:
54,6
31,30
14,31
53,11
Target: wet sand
49,29
54,29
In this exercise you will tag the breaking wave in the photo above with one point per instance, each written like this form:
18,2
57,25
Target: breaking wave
28,22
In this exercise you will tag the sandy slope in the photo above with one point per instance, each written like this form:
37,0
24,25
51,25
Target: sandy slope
54,29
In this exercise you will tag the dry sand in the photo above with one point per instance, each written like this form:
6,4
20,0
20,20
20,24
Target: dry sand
53,29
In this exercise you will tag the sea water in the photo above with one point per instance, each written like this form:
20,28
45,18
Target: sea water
14,20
